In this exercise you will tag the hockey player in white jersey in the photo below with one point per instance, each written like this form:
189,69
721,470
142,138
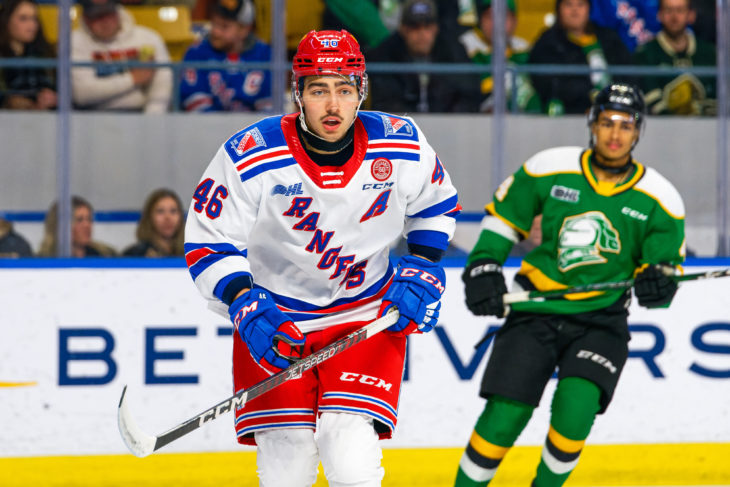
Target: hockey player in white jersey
290,228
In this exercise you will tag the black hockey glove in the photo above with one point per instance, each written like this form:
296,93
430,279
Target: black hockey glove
484,286
654,286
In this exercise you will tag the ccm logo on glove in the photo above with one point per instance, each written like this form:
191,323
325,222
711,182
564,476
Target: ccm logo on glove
425,276
243,312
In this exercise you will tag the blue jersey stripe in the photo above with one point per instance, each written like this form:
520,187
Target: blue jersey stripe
319,311
268,166
408,156
438,209
221,251
429,238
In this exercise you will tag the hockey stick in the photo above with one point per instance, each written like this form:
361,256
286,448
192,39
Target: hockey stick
537,296
142,444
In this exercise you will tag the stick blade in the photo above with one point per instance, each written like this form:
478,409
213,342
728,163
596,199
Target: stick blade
139,443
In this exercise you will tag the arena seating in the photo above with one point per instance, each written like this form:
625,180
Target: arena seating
531,18
172,22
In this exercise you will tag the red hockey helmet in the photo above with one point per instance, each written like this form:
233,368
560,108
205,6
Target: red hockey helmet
329,52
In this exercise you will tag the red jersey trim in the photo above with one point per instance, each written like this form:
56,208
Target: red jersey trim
325,176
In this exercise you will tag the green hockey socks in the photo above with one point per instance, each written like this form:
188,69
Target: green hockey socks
496,430
575,405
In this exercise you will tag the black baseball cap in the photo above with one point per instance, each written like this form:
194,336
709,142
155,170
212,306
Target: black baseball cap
97,8
239,10
419,12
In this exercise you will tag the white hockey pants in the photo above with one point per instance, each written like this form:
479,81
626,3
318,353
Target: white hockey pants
346,444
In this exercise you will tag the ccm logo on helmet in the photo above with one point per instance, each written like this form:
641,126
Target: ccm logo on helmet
330,59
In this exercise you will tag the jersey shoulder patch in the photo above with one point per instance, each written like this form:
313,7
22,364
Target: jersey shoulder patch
662,191
379,125
555,160
262,135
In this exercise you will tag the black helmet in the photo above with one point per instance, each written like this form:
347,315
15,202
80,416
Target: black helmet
623,97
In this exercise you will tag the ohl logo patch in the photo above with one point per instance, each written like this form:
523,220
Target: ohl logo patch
250,140
395,126
381,169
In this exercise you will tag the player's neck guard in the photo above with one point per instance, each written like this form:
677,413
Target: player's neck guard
319,144
612,169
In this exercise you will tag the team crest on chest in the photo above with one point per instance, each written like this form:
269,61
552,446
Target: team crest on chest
381,169
395,125
584,237
250,140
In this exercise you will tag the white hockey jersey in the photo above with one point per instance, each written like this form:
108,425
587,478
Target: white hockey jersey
317,237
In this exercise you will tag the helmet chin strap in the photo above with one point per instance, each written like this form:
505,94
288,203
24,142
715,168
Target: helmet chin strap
612,169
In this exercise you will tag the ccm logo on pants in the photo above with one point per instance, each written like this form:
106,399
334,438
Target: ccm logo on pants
365,379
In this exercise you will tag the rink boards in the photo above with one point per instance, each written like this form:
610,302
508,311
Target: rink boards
71,337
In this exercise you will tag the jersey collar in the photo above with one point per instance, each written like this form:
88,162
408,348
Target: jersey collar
605,188
325,176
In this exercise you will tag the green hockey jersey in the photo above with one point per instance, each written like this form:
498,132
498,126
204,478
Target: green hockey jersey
592,231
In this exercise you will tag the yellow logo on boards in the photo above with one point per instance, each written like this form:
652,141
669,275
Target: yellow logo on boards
18,384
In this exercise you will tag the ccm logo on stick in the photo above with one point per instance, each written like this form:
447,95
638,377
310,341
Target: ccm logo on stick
365,379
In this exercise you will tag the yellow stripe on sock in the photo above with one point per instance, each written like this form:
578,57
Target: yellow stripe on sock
563,443
487,449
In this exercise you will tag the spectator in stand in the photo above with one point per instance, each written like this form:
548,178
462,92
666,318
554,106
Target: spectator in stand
634,20
676,45
12,244
82,221
108,33
161,227
21,36
478,45
418,41
574,39
373,21
231,40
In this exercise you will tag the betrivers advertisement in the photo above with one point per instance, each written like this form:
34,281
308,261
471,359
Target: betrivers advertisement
71,338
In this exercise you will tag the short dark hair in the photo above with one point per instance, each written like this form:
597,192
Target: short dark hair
690,4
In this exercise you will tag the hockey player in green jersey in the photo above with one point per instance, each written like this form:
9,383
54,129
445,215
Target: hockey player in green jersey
605,217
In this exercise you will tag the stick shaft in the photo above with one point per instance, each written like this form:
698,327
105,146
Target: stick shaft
134,438
536,296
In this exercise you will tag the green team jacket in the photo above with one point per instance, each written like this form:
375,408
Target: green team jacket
592,231
517,53
659,52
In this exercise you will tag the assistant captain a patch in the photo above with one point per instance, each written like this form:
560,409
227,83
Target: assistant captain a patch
396,126
250,140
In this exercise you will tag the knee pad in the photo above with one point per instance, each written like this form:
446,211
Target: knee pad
349,449
575,404
286,457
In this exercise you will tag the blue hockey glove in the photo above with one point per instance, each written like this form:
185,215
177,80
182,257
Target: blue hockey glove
484,287
272,338
416,290
654,286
